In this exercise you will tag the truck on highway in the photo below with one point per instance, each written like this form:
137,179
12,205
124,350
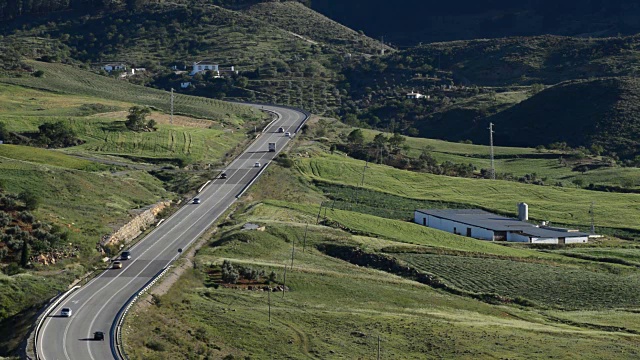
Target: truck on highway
272,147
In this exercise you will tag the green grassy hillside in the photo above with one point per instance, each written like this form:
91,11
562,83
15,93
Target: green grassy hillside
335,309
63,79
299,19
87,191
561,205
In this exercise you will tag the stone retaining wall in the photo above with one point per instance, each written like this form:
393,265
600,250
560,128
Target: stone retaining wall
136,226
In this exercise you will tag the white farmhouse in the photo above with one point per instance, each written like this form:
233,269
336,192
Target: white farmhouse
414,95
204,66
114,67
484,225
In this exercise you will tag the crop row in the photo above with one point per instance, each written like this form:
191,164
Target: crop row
554,286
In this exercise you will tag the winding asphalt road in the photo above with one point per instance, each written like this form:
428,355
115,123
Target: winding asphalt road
96,305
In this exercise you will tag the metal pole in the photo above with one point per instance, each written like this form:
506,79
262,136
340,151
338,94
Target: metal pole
378,347
593,220
319,212
293,251
304,244
269,303
366,165
284,281
493,168
171,117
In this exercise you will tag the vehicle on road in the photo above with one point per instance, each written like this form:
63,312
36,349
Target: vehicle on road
272,147
98,335
257,165
280,129
287,134
66,312
223,175
196,200
116,265
126,255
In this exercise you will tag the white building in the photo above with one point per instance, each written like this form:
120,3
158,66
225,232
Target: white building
484,225
204,66
114,67
415,95
185,85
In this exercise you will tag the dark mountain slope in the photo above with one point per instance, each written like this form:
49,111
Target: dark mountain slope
523,61
409,22
603,112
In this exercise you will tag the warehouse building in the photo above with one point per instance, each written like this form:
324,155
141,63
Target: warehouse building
484,225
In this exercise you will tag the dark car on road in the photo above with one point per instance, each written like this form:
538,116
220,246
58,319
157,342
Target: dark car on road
223,175
126,255
98,335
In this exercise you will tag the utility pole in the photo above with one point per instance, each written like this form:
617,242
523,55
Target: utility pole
284,281
493,167
366,165
293,251
593,220
304,243
378,347
382,45
269,295
319,212
171,118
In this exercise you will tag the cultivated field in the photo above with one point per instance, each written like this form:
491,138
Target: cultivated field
568,287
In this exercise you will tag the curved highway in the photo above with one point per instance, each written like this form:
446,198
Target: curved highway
96,305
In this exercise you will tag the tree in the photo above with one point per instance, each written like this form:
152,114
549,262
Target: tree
396,141
31,200
4,133
380,140
25,253
356,137
137,118
55,135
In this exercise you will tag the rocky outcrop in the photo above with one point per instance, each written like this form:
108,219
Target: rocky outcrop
136,226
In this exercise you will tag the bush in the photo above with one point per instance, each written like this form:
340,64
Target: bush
229,273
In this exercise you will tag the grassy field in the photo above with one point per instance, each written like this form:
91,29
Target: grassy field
338,310
555,286
63,79
402,231
99,123
516,161
52,158
88,198
561,205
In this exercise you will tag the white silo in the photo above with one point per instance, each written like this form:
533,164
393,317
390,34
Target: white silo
523,212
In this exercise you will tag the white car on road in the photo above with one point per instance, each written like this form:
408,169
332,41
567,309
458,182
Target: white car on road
66,312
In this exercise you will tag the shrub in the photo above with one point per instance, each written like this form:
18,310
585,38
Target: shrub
229,273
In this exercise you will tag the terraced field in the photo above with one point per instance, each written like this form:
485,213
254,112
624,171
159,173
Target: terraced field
69,80
554,286
106,136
